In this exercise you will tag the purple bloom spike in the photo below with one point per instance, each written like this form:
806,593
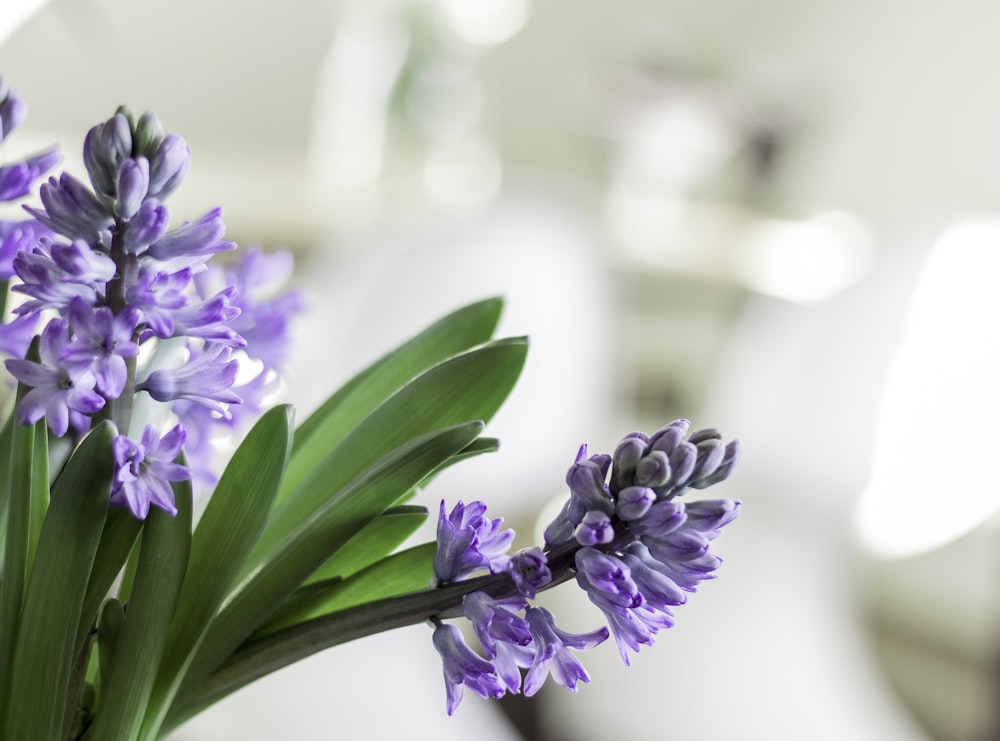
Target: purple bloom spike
72,210
145,469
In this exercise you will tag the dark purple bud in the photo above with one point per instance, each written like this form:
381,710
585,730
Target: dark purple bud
634,501
529,568
682,461
594,529
133,183
104,148
587,492
733,452
708,433
625,459
683,544
709,516
710,454
653,469
670,436
661,519
168,166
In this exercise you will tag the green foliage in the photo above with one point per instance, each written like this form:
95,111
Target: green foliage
296,550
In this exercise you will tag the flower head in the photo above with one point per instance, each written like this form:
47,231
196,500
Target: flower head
464,667
467,541
144,470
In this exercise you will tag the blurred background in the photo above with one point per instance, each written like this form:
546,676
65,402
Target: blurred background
776,218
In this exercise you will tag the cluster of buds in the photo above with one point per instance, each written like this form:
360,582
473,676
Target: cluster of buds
632,545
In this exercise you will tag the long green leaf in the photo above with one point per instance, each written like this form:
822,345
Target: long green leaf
225,535
309,545
117,538
379,538
407,571
455,333
47,634
166,542
469,386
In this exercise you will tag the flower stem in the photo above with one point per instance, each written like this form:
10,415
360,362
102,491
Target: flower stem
119,410
277,650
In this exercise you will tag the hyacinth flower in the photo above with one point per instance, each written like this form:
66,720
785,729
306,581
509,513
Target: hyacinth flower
623,535
117,281
122,614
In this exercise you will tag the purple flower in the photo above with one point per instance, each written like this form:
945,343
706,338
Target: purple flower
209,320
55,273
56,389
16,335
192,242
101,343
205,379
71,209
148,224
502,633
17,179
16,237
468,541
464,667
144,470
530,571
552,652
158,294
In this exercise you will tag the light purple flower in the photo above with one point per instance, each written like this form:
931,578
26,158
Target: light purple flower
18,179
144,470
16,335
15,237
552,652
101,343
502,633
56,273
193,242
56,389
158,294
12,110
148,224
71,209
209,320
467,541
464,667
104,148
206,379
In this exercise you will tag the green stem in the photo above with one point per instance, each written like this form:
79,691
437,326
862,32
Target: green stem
277,650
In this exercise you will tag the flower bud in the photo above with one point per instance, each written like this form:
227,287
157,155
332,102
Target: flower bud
133,183
653,469
168,166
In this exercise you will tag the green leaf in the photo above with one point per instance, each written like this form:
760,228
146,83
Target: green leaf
460,330
311,543
377,539
469,386
109,630
46,637
407,571
225,535
118,535
166,542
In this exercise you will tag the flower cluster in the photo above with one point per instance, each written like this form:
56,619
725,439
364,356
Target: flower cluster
632,546
128,305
